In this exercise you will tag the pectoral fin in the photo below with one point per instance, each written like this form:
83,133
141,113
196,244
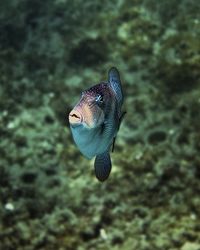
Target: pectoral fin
102,166
113,144
120,120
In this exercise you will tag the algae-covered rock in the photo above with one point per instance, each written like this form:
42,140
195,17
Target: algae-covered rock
190,246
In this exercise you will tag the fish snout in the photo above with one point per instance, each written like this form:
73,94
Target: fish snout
75,117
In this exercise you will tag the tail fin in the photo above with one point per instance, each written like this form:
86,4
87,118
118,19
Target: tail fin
102,166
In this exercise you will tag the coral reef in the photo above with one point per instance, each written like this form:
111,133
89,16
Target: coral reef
49,198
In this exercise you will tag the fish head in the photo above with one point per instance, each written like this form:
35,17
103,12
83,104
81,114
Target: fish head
88,117
90,111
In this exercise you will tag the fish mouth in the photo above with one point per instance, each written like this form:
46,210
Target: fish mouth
75,117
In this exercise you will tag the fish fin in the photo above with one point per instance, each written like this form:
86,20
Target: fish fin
113,144
102,166
115,82
120,120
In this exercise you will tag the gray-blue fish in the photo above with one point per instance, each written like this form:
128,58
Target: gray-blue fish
95,121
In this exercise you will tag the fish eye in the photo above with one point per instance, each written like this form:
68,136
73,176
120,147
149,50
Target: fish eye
99,98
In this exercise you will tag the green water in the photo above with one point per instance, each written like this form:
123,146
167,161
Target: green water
50,51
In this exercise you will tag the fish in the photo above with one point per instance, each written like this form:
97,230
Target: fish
95,121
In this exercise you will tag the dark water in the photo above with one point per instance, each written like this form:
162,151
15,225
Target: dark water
49,197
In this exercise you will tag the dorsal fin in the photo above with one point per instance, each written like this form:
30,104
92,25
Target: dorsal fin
115,82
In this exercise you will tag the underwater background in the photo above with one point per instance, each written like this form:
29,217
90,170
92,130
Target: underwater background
49,197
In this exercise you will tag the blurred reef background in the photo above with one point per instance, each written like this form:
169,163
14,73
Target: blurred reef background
49,197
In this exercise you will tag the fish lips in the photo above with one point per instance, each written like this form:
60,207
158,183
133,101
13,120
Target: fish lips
75,118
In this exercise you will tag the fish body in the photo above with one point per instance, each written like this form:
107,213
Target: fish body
95,121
